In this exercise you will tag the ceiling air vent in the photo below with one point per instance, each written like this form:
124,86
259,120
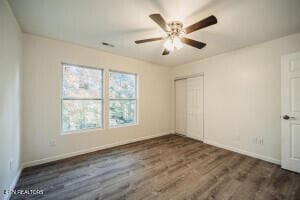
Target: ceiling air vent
107,44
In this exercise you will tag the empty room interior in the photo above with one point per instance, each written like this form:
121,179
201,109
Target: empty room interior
152,99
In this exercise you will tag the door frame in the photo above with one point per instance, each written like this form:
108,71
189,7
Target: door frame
178,78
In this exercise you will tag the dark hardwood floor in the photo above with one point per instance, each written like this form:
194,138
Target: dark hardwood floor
168,167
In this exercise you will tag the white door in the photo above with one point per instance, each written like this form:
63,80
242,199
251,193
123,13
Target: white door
194,127
290,110
180,98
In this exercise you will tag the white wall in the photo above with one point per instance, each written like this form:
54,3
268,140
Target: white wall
41,101
10,59
242,96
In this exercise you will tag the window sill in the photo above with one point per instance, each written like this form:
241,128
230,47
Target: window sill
97,129
123,126
82,131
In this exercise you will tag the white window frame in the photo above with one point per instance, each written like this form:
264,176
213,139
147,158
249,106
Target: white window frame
62,99
116,99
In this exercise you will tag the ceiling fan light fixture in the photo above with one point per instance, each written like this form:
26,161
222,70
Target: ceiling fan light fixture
177,43
169,44
172,43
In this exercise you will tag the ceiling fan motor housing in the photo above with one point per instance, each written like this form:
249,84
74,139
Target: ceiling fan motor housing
175,28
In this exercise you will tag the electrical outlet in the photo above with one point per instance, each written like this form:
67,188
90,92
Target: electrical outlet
52,143
260,140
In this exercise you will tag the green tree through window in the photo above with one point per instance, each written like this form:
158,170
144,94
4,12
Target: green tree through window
81,98
123,98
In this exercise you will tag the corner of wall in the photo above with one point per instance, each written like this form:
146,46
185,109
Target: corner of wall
10,76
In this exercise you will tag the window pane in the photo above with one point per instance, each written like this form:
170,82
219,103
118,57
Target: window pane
122,85
122,112
80,82
81,114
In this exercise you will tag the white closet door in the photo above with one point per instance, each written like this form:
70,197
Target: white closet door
195,108
180,90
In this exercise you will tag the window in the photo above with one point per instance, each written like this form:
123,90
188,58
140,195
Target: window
82,98
123,99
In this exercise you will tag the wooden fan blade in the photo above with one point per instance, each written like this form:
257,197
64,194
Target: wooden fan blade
201,24
160,21
165,52
148,40
193,43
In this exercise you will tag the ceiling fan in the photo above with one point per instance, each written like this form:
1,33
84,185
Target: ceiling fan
175,33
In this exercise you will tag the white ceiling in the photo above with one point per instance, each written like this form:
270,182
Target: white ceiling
120,22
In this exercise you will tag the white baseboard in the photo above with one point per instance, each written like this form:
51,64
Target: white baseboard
195,137
84,151
14,183
241,151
